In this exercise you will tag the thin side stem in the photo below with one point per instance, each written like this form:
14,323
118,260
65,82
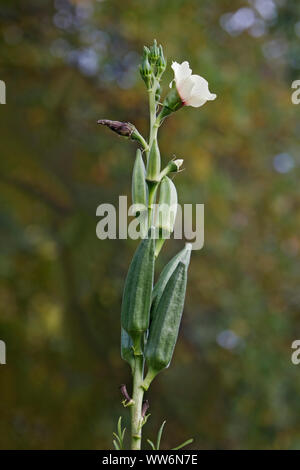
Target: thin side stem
144,144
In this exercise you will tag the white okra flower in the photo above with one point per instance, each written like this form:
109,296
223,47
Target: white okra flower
192,89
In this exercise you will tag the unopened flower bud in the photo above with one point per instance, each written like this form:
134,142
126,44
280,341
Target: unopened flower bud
157,93
125,129
161,62
172,167
146,71
122,128
146,51
154,53
145,67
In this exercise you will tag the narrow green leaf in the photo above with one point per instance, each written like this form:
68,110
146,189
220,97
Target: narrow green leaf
189,441
119,436
151,444
116,445
120,426
159,435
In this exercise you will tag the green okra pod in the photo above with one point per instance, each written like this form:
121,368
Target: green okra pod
184,256
137,291
166,213
139,186
153,164
127,348
165,325
167,207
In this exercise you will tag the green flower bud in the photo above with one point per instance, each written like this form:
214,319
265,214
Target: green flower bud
161,63
157,93
145,67
172,167
153,164
161,54
146,51
154,53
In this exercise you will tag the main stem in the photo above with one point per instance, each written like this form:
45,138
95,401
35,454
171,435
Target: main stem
152,137
136,409
152,110
138,373
151,201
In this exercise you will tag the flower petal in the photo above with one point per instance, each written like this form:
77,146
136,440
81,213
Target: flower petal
200,92
184,89
181,71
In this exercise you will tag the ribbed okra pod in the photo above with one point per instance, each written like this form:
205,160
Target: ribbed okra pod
184,256
165,325
137,291
139,186
127,348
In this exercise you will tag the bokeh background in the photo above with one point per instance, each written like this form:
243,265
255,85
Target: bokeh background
66,63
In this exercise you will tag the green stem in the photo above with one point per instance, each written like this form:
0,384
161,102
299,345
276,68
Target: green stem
136,409
151,374
139,138
152,109
138,372
158,246
155,121
152,193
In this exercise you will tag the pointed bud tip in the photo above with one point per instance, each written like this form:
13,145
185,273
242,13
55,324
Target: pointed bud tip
178,162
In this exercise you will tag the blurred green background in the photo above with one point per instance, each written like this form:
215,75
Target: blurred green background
68,63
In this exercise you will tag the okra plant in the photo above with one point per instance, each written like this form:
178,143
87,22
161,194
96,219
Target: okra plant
151,316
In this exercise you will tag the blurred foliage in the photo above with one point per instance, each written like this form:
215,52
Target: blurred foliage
66,64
